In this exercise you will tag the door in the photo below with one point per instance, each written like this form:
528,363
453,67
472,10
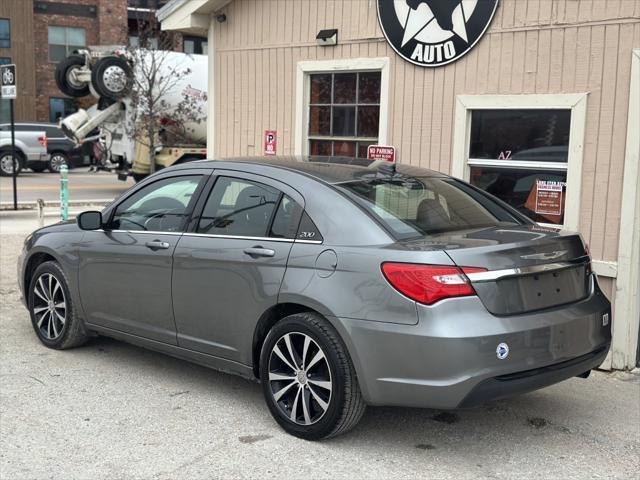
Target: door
228,268
125,269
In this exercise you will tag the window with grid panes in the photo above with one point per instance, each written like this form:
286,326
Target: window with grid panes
344,113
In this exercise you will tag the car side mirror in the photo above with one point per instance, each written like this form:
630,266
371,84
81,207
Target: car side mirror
91,220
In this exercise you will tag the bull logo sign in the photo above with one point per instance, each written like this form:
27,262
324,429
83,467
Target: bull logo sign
431,33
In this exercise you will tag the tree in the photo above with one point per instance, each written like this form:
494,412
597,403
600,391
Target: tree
159,112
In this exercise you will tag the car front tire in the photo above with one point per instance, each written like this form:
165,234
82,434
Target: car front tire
308,379
53,315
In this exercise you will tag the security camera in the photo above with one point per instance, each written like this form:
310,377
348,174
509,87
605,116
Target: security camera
221,18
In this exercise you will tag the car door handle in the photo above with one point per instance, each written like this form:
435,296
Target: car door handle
259,252
157,245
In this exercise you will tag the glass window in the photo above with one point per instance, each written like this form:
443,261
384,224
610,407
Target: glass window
286,219
415,206
344,113
522,135
60,108
5,33
521,156
538,194
162,206
64,40
194,45
238,207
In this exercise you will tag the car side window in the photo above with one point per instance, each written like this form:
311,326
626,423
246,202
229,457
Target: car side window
286,220
162,206
238,207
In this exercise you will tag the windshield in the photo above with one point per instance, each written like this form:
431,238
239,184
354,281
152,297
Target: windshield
416,206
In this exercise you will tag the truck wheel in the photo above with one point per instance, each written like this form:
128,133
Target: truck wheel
112,77
65,80
8,163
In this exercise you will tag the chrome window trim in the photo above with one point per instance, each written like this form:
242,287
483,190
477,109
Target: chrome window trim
260,239
239,237
493,275
148,232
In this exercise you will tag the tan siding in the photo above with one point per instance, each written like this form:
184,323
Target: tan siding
533,46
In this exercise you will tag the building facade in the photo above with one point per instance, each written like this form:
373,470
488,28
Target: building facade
536,101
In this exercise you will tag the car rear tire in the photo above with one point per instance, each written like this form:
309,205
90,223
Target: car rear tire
53,315
64,79
8,163
308,380
56,161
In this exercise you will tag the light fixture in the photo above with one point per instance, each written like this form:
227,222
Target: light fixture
326,38
221,18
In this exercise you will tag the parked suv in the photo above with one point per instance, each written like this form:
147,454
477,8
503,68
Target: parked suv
30,147
61,150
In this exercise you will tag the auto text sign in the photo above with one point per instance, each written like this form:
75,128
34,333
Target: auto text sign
381,152
270,142
8,82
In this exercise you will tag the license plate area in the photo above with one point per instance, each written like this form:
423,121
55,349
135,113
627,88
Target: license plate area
543,290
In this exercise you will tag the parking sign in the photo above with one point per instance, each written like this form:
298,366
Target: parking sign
8,81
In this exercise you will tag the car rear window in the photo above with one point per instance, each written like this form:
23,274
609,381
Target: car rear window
416,206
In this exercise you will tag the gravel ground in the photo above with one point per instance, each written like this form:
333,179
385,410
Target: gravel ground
111,410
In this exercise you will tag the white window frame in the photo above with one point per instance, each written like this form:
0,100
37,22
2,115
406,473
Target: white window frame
576,102
303,87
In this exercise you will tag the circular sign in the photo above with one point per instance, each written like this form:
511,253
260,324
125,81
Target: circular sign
431,33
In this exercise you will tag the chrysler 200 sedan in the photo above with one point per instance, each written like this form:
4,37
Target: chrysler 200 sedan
336,283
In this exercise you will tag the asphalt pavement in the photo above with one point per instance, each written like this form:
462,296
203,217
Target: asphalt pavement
109,410
83,186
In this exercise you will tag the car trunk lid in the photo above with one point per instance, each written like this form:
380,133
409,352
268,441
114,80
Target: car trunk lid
528,267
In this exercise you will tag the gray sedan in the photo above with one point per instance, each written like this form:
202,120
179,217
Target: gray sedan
337,283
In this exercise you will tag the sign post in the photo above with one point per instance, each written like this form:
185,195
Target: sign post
8,91
64,193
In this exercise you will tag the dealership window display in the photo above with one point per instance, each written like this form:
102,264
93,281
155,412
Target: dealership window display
521,156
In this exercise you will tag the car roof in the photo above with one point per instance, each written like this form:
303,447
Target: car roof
330,170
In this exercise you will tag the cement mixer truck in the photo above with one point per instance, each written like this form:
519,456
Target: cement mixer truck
110,74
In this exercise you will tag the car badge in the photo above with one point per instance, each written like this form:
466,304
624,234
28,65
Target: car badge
502,351
545,256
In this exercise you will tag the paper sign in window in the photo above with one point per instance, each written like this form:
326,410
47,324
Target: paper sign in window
548,198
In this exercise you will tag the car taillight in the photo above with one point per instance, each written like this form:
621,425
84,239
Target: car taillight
429,284
43,140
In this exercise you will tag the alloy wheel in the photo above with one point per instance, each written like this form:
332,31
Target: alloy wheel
300,378
49,306
56,161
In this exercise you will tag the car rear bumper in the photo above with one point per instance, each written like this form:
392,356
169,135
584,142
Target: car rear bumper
449,359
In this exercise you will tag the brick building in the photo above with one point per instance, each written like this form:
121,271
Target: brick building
37,34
